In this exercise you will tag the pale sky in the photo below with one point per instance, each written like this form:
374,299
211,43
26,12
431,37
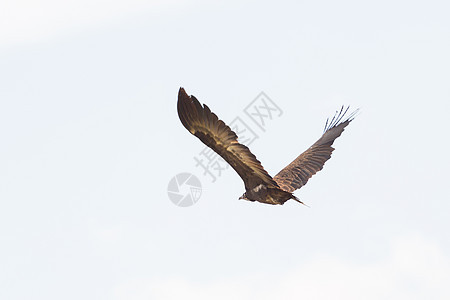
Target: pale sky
91,138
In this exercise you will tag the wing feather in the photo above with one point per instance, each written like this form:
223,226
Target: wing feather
297,173
214,133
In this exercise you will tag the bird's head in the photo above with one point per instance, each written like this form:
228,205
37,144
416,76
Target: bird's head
243,197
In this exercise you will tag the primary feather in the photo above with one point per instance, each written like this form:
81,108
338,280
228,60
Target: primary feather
296,174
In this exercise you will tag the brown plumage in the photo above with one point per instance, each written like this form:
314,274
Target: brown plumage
259,185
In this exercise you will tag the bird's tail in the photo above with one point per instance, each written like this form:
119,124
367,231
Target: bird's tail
298,200
282,196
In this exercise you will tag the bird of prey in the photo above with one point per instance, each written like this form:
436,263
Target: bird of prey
259,185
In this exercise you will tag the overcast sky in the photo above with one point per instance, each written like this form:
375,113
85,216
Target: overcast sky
90,138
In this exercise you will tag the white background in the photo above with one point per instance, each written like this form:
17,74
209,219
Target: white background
90,137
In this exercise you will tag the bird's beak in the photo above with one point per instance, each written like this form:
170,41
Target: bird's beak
241,197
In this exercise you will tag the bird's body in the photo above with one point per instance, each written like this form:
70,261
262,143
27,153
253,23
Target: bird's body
259,185
269,195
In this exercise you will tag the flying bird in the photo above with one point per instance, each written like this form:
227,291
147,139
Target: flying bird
259,185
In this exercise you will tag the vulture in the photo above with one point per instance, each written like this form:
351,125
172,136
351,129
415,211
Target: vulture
259,185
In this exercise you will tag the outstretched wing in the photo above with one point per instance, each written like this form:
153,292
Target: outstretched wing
205,125
296,174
